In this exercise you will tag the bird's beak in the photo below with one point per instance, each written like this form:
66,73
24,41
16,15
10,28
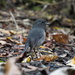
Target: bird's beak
47,23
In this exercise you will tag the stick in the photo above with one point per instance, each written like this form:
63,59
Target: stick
13,19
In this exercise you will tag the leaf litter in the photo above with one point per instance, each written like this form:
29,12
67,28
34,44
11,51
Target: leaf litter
58,48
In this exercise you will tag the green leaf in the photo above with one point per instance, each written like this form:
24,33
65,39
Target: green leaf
1,61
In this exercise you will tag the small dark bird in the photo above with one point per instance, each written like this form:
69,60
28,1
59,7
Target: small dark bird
37,34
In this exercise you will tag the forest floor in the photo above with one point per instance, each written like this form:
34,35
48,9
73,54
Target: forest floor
56,51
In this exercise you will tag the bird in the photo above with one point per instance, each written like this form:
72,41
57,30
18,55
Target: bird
36,35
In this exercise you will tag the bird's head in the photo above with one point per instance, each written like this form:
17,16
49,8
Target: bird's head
40,23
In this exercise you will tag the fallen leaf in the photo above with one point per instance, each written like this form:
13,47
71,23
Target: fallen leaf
18,43
5,31
12,32
16,53
61,38
42,47
69,20
46,51
3,54
56,28
26,60
48,43
2,42
8,37
4,25
71,62
1,61
47,58
24,39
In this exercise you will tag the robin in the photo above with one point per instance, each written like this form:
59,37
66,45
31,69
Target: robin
37,34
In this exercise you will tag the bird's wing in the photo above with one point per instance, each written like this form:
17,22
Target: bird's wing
37,36
40,39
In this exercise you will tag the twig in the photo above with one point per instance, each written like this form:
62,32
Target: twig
47,3
13,19
9,20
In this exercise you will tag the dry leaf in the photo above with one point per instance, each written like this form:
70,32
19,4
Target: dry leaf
48,43
24,39
14,41
5,31
42,47
71,62
61,38
4,25
26,60
69,20
2,42
47,58
16,53
8,37
56,28
46,51
18,43
3,54
12,32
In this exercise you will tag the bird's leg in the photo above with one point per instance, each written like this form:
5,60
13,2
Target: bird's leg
35,53
31,53
39,52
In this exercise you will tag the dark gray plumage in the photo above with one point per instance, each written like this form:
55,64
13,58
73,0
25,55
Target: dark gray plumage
36,35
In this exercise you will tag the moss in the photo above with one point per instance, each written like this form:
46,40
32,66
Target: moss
36,8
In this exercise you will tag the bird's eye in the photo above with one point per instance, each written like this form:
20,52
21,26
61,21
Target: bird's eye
42,22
